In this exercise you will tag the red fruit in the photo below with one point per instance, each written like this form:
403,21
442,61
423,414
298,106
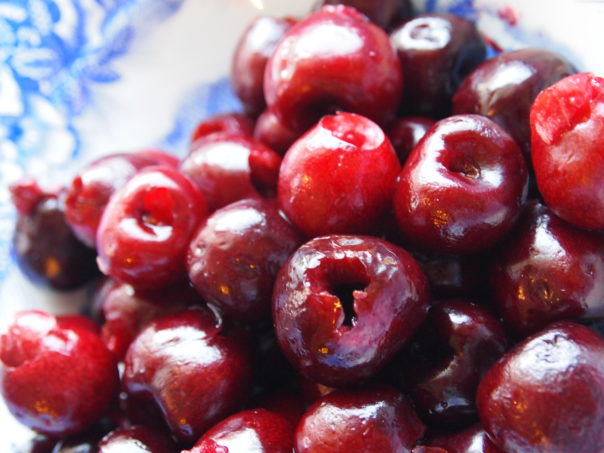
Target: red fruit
339,177
136,439
470,440
57,376
567,127
334,59
381,12
233,123
406,132
271,132
547,394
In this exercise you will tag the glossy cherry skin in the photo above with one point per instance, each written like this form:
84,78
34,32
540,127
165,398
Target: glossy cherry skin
378,419
136,439
333,60
406,132
436,52
548,270
456,345
383,13
270,131
343,306
127,310
470,440
547,393
462,187
234,257
567,136
228,167
57,376
253,50
233,122
504,87
45,247
339,177
93,186
145,230
256,430
192,368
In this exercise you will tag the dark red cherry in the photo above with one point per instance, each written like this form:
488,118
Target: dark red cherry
270,131
383,13
470,440
406,132
547,394
136,439
376,419
233,123
343,306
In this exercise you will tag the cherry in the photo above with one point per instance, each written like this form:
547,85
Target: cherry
470,440
234,123
383,13
193,368
316,190
270,131
406,132
368,419
462,187
145,230
548,270
436,51
343,306
547,393
234,257
136,439
334,59
57,377
567,126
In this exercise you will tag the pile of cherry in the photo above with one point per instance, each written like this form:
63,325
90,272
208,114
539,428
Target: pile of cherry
398,247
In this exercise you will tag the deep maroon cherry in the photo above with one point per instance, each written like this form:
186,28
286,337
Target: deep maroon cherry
193,368
406,132
46,249
145,229
287,404
456,345
234,257
228,167
270,131
253,50
136,439
57,376
470,440
437,51
383,13
333,60
234,123
567,126
548,270
256,430
93,186
339,177
462,187
547,394
376,419
503,88
343,306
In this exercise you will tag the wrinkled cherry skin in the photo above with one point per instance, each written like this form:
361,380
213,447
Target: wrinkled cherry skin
256,430
57,376
470,440
339,177
546,271
234,257
372,419
91,189
383,13
436,51
145,230
462,187
45,247
343,306
456,345
503,89
227,167
234,123
270,131
136,439
547,393
253,50
126,310
192,368
406,132
334,59
567,137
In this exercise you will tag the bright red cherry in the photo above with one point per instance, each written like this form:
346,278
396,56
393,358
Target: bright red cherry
270,131
233,123
343,306
339,177
136,439
462,187
333,60
567,126
145,230
57,376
